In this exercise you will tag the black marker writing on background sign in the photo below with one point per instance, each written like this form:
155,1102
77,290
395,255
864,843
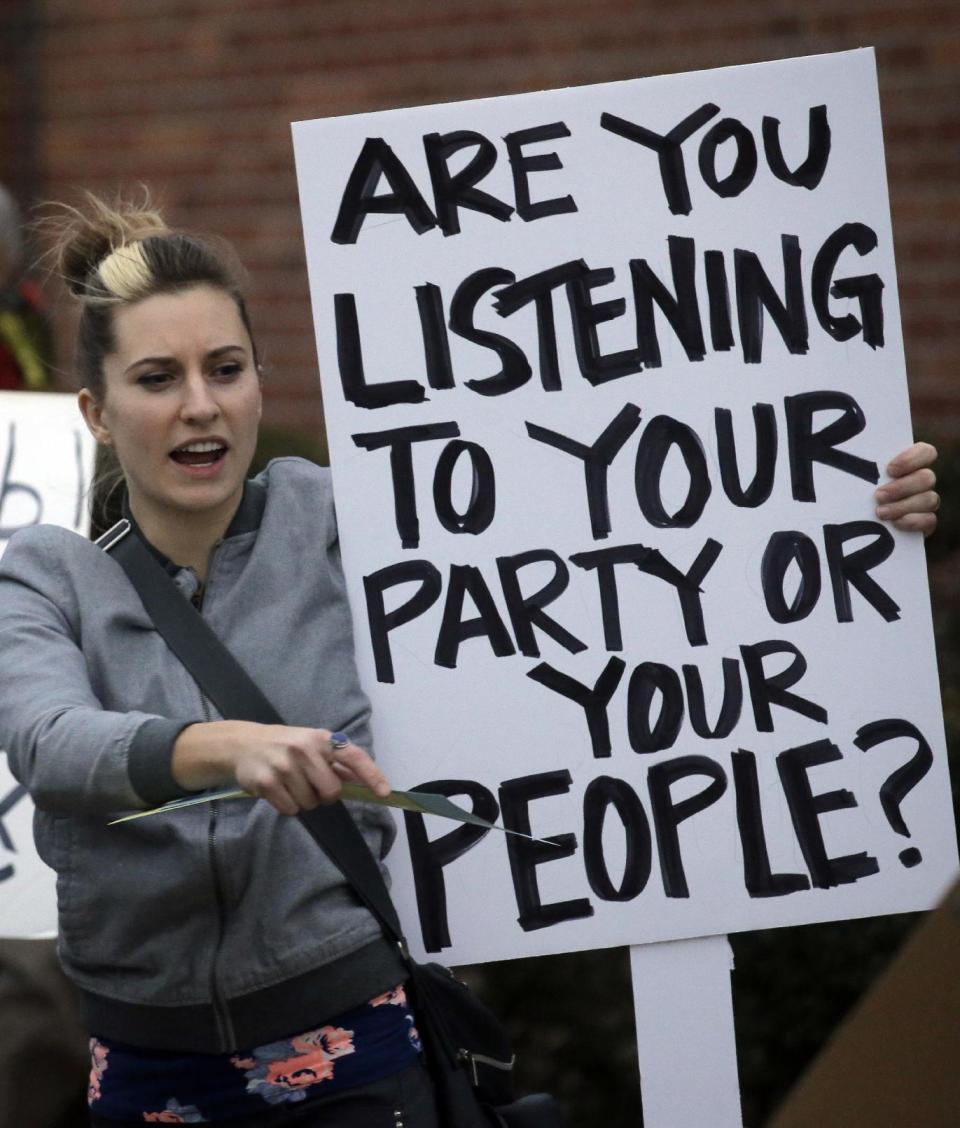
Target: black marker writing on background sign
7,803
10,488
22,503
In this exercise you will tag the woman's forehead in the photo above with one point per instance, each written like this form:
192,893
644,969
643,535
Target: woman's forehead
200,319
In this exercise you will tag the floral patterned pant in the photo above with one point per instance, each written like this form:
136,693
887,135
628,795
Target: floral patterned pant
365,1060
404,1100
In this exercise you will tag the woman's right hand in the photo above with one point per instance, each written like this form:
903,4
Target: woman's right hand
908,499
294,769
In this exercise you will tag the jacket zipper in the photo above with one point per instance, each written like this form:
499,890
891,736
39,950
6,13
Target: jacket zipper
226,1035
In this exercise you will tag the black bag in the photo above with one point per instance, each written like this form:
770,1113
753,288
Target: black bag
467,1050
468,1028
470,1057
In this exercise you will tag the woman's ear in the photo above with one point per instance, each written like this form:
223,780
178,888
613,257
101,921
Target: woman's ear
92,411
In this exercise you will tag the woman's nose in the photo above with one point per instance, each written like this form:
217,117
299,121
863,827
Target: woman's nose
199,403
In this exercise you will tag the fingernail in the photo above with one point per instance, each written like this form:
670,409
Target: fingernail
882,494
883,511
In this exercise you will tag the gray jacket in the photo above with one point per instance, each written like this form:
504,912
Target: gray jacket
219,926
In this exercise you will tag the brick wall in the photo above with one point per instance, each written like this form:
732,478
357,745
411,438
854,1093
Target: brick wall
19,128
194,97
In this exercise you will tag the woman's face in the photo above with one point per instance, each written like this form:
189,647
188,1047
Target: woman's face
181,405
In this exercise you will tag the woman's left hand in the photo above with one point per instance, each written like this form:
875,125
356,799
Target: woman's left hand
909,499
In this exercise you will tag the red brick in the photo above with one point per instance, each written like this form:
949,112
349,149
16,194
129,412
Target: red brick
195,96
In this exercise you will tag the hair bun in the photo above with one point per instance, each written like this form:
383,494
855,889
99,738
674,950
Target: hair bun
113,255
83,237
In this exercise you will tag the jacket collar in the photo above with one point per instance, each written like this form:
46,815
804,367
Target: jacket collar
247,519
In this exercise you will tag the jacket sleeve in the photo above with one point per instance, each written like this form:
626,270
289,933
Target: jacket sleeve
71,753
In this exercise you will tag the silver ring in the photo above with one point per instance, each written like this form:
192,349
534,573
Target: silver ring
339,741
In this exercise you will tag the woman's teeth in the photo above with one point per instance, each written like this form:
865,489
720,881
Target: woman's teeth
199,454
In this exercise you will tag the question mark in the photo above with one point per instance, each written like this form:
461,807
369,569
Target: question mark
901,782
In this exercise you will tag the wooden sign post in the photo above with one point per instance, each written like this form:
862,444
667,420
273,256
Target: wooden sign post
685,1034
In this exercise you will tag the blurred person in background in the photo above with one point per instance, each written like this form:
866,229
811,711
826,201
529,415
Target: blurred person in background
26,353
43,1049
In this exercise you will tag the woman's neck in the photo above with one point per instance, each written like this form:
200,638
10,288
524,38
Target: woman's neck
185,538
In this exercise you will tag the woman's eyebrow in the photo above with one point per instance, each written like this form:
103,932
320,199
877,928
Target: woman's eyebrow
149,360
213,354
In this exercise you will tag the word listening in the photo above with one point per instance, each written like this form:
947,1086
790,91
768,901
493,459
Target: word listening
756,299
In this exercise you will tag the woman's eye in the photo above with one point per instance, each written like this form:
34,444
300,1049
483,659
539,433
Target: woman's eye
154,379
228,371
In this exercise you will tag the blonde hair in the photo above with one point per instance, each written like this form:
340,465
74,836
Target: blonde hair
111,254
87,238
125,272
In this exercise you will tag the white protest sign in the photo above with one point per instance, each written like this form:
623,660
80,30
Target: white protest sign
609,375
46,467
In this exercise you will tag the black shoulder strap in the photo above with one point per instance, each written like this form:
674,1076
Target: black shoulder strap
237,696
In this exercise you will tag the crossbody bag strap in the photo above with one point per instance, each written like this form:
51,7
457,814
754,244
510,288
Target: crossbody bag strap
235,694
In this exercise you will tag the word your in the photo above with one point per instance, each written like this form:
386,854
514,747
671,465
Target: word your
806,446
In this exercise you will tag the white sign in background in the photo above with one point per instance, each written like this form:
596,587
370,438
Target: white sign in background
725,834
46,467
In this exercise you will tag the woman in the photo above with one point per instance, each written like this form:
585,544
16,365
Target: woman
225,970
227,974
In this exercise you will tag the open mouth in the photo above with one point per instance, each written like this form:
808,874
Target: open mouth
207,453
